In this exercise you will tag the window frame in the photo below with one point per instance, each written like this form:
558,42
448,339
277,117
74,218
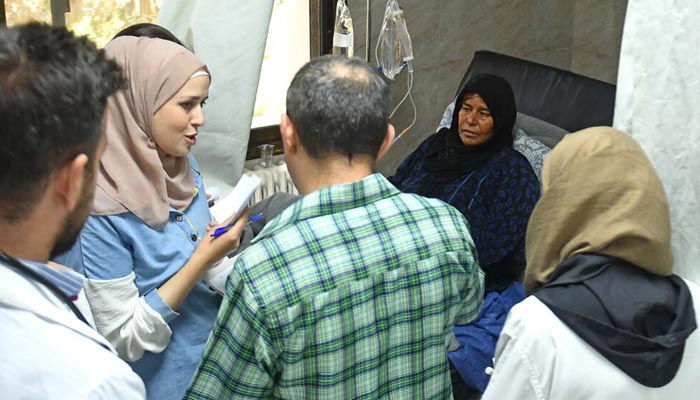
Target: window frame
321,16
3,18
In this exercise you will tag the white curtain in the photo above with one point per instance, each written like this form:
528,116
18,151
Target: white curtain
658,102
229,36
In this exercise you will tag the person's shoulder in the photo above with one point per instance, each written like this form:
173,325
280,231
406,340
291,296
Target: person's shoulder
257,267
530,318
122,225
512,162
42,347
414,200
114,379
507,154
433,209
425,144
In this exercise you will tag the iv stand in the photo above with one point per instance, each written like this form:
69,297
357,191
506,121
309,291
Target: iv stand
367,31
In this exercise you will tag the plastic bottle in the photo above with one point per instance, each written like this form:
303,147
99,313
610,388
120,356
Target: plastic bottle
343,36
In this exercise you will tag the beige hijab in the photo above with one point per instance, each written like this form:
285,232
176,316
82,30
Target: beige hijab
600,195
134,175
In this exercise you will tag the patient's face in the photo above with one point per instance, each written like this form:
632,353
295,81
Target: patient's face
475,121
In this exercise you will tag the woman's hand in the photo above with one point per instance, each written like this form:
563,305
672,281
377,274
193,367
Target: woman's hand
212,226
209,250
212,249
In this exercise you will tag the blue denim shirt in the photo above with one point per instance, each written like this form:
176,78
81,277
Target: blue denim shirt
113,246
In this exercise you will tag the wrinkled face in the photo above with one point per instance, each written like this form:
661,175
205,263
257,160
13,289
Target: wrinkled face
74,222
475,121
176,123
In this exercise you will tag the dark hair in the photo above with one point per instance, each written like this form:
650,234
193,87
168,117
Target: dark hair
146,29
53,92
339,105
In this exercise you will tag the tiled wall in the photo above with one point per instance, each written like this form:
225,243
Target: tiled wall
579,35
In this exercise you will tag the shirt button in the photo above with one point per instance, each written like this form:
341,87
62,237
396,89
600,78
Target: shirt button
193,237
489,371
178,218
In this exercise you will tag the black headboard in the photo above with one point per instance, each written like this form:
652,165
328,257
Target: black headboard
560,97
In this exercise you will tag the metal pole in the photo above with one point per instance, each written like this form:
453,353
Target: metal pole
3,18
368,21
59,8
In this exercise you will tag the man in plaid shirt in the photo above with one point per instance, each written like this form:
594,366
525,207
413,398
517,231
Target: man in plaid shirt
352,291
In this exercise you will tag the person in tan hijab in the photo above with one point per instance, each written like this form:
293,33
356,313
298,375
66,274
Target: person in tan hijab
145,244
607,318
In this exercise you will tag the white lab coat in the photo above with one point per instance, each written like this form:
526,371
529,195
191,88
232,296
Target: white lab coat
48,353
538,357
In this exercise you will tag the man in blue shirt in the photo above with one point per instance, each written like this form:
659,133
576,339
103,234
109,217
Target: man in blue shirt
353,290
53,91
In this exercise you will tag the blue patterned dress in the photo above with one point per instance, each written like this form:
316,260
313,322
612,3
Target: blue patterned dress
497,200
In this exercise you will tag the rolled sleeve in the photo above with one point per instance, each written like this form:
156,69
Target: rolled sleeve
130,324
156,302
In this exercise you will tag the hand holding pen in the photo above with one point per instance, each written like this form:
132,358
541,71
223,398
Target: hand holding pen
221,230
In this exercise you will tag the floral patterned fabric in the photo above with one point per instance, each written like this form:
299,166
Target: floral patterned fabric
534,150
496,199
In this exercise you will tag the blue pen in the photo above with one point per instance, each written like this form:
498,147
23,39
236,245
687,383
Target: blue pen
220,231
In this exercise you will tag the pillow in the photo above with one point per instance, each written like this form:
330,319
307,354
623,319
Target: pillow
543,131
534,150
446,119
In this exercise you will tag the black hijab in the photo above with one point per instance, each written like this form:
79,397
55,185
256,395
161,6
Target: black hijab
448,158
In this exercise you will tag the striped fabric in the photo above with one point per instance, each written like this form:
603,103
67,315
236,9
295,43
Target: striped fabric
70,282
351,292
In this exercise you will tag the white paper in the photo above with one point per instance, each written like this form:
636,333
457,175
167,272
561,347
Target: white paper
237,200
216,276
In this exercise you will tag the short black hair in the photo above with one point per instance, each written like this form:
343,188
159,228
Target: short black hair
147,29
53,91
339,106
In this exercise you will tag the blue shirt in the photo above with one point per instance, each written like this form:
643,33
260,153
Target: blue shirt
114,246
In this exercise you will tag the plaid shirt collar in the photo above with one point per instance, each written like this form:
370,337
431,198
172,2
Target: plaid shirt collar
331,200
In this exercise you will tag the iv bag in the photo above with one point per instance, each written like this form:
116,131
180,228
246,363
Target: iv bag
394,43
343,36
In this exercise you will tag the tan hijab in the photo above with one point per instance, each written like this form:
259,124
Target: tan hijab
600,195
134,175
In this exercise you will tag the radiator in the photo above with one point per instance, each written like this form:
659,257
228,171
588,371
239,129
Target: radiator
273,179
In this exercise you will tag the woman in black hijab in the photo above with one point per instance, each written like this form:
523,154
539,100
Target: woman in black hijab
472,166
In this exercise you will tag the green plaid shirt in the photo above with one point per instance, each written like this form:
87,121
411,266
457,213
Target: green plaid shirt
351,293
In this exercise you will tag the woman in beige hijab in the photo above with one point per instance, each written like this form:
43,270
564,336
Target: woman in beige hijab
607,319
145,243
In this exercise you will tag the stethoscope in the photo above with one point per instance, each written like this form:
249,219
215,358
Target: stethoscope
15,264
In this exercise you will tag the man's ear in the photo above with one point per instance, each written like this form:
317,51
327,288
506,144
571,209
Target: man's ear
290,139
387,142
70,180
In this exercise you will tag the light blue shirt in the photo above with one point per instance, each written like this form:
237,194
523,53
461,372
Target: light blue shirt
114,246
69,282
